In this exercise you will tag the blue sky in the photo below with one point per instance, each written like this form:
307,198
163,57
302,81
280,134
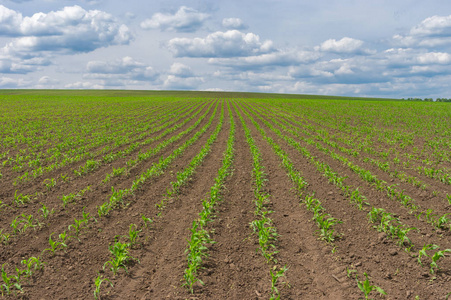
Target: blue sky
333,47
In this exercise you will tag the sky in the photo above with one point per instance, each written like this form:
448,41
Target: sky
380,48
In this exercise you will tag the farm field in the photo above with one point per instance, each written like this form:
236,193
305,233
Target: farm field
208,195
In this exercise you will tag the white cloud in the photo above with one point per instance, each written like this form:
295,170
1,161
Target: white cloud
83,85
433,26
434,58
274,59
10,21
46,80
181,70
233,23
69,30
184,20
123,69
181,77
345,45
231,43
7,82
182,83
434,31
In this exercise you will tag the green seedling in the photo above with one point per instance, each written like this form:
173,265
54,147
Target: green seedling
64,177
8,283
147,221
104,209
437,255
429,215
64,237
326,224
98,283
77,226
85,216
375,214
442,221
14,224
54,245
275,294
366,287
422,252
196,251
32,264
49,183
402,236
133,235
4,237
45,211
349,272
448,197
21,199
120,259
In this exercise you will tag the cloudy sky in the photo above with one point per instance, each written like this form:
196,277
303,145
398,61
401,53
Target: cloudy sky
380,48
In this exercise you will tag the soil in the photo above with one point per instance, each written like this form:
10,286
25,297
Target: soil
234,268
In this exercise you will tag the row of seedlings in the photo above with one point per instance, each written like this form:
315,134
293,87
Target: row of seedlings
197,249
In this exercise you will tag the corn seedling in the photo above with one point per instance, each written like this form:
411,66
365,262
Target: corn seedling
54,245
366,287
4,237
8,283
120,257
133,235
45,211
442,221
196,251
49,183
147,221
275,294
32,264
349,272
435,258
65,177
98,283
326,224
21,199
77,226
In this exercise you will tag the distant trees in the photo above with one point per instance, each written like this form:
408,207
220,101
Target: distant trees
429,99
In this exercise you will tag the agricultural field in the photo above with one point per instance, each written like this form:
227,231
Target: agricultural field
178,195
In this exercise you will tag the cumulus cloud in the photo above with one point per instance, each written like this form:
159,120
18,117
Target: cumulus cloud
431,32
83,85
7,82
278,58
122,69
433,26
46,80
184,20
434,58
181,70
233,23
10,21
181,77
231,43
180,83
345,45
22,66
69,30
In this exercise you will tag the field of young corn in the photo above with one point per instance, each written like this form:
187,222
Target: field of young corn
116,195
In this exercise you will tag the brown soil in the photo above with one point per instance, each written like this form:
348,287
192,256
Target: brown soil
234,268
